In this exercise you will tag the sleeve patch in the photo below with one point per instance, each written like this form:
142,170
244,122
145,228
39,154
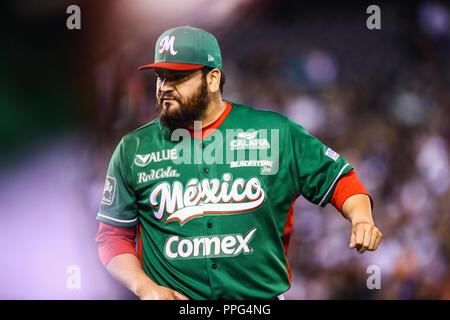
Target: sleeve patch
109,190
332,154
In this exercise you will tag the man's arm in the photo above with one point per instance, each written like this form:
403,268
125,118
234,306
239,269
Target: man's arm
352,200
365,235
127,269
116,248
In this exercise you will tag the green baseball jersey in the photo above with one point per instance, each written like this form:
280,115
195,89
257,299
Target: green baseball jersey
215,214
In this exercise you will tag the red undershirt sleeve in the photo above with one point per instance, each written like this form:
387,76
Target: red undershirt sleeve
112,241
348,186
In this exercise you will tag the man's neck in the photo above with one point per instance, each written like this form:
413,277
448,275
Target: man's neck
215,109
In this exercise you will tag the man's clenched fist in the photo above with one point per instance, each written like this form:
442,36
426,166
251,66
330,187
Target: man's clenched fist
365,236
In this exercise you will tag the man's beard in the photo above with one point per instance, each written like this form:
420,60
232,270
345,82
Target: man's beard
188,111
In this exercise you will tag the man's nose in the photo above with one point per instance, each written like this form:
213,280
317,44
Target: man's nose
166,86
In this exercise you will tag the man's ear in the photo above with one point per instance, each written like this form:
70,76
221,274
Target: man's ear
213,80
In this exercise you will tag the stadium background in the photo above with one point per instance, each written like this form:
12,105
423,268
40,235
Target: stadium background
379,97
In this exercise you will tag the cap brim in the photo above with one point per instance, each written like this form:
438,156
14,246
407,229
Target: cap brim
171,66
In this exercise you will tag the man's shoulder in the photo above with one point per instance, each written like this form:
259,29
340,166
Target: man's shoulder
150,129
147,133
250,113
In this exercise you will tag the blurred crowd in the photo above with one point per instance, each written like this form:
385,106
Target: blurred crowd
380,98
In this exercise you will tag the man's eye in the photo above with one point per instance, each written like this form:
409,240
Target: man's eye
173,77
177,77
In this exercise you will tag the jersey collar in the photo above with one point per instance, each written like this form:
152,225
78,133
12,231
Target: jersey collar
209,129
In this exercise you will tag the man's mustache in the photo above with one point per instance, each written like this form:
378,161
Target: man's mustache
168,96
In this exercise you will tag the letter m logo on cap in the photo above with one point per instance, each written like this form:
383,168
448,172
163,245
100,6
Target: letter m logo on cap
166,44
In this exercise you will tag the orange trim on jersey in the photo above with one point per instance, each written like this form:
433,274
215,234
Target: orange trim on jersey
139,246
287,235
347,186
209,129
